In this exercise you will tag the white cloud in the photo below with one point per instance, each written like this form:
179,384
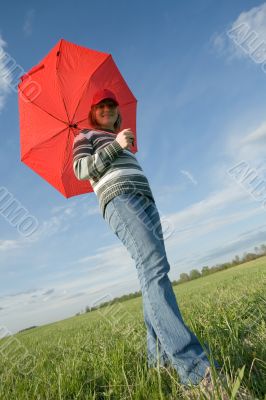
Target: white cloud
27,26
240,145
206,216
60,220
211,224
9,244
248,144
189,176
108,263
255,19
215,211
243,36
57,223
169,191
66,208
23,310
218,42
54,225
258,136
244,241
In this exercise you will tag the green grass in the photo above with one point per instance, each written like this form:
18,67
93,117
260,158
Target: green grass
102,354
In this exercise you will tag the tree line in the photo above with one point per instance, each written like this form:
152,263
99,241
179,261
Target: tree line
193,274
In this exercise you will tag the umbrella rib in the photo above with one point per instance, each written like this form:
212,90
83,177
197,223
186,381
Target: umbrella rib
63,100
87,85
53,116
67,152
58,82
46,140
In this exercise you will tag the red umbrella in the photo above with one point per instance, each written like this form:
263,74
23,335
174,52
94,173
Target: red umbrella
54,101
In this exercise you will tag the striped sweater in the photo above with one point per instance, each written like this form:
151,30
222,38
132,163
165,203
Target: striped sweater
111,170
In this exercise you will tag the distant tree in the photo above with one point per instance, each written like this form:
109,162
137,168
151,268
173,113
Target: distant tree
225,265
236,260
263,248
194,274
249,257
205,270
215,268
175,282
183,277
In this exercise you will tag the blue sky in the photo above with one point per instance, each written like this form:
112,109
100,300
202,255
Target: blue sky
200,118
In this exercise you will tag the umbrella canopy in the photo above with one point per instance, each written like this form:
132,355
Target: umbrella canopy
54,100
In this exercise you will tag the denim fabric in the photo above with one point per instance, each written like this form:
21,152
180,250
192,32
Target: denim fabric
135,220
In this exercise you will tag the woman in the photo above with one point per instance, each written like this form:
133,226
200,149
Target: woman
103,156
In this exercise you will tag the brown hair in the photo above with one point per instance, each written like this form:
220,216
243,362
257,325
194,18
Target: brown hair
94,124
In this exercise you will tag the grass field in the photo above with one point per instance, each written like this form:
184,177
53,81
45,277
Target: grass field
102,354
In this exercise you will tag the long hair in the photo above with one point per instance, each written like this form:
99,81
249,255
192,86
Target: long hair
93,122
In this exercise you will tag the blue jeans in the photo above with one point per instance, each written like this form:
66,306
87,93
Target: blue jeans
135,220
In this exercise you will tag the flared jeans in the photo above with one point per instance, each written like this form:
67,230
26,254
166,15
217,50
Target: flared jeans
135,220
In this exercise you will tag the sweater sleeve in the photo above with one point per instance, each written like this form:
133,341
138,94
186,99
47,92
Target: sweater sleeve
87,165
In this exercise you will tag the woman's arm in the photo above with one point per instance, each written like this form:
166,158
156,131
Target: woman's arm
87,165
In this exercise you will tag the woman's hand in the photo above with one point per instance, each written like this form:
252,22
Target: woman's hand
125,138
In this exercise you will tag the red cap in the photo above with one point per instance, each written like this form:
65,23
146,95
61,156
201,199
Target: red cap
103,94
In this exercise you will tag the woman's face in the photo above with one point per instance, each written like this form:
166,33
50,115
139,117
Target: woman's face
106,113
